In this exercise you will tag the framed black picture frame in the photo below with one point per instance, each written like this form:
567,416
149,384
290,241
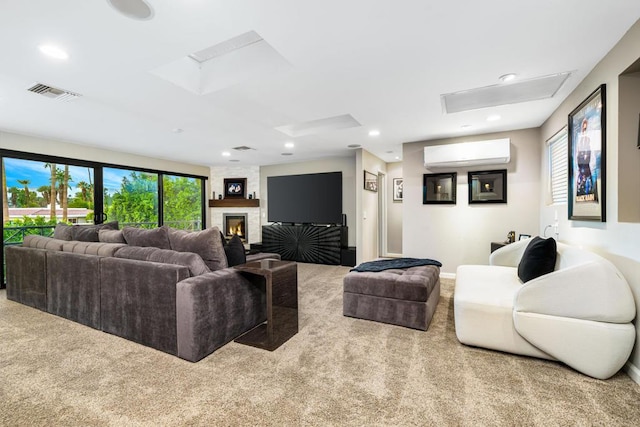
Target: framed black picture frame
370,181
397,189
587,158
235,188
488,186
439,188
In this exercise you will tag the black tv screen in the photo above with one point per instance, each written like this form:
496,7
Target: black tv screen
305,199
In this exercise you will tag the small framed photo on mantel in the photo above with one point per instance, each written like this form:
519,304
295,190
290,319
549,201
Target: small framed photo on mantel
235,188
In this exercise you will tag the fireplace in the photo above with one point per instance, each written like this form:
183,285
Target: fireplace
235,223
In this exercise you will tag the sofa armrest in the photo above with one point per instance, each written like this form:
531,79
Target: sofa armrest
138,301
591,291
215,308
509,255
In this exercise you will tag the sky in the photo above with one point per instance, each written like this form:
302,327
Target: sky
38,175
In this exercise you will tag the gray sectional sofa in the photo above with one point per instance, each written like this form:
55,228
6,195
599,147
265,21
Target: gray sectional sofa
183,303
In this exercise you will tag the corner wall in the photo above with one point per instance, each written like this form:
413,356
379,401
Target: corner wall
394,211
462,233
252,174
615,240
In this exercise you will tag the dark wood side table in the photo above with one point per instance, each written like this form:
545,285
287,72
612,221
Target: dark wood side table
281,285
497,245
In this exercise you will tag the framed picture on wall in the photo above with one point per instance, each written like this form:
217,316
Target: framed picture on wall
235,188
397,189
488,186
439,188
370,181
587,158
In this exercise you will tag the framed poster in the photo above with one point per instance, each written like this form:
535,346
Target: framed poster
235,188
370,181
439,188
587,158
488,186
397,189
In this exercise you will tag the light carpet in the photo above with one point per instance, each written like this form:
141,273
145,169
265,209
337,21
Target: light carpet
336,371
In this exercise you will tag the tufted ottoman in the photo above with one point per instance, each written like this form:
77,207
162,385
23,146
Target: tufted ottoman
405,297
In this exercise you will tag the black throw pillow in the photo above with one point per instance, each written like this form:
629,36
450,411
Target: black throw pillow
235,251
539,258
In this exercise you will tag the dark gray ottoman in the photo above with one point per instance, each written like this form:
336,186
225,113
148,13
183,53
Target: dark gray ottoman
405,297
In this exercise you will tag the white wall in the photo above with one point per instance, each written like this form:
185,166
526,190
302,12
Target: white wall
252,174
394,211
462,233
346,165
615,240
31,144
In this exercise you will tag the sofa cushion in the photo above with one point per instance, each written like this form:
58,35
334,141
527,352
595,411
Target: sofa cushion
111,236
166,256
538,258
206,243
234,250
155,237
89,233
42,242
92,248
63,231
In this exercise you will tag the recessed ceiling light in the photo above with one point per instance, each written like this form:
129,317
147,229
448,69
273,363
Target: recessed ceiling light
226,153
397,157
493,118
53,51
354,146
134,9
374,132
507,77
289,145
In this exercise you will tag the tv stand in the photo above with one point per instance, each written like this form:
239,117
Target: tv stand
305,243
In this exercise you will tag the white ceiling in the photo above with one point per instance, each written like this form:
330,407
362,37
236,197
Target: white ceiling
383,62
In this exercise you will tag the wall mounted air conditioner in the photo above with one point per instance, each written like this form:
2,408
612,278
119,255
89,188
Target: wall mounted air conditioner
490,152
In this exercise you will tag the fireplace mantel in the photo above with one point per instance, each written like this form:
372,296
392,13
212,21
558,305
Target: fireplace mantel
234,203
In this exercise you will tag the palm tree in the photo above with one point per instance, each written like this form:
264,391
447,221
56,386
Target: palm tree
84,190
63,178
5,198
46,193
52,193
26,183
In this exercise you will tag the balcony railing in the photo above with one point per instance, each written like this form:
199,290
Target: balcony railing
15,235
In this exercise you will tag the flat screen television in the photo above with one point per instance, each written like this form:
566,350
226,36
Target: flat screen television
305,199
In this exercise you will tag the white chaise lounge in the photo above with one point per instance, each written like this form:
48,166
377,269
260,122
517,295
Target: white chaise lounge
579,314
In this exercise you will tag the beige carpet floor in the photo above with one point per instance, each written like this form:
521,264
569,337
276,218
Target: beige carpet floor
336,371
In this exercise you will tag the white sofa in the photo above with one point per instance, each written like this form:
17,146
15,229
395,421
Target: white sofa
579,314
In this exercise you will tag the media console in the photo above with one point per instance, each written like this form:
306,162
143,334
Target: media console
306,243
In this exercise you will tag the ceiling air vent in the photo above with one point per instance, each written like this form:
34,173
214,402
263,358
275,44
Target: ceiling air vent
52,92
243,148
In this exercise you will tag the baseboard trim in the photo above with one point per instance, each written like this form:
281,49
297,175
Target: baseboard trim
633,371
448,275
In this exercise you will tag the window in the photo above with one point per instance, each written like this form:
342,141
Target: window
131,197
558,167
182,206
